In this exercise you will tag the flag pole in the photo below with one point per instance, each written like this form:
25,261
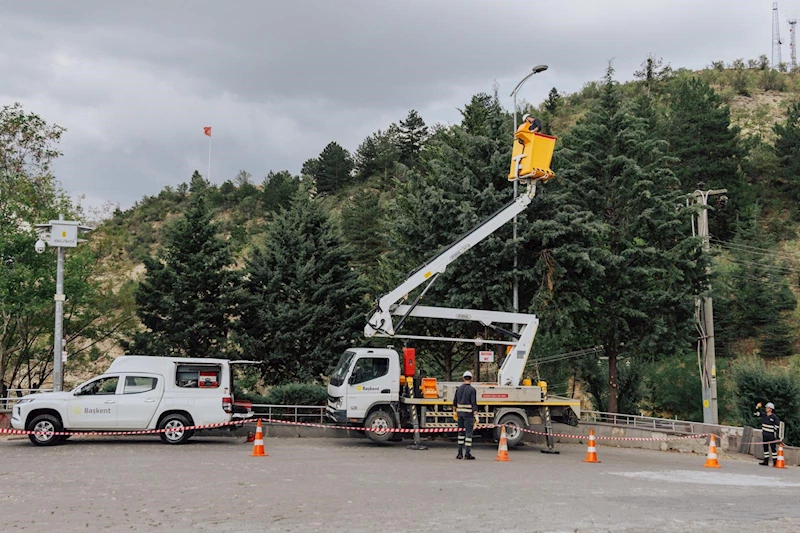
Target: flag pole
209,158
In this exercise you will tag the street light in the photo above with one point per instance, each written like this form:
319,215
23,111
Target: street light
59,234
535,70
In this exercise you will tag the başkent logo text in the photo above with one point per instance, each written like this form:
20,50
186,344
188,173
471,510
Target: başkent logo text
96,411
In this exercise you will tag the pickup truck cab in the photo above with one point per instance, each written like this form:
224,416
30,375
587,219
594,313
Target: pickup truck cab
136,393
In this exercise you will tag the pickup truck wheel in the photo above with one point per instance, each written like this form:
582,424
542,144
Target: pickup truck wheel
514,426
45,426
381,423
175,429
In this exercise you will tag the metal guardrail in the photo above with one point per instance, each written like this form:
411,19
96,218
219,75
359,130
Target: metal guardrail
7,402
294,413
646,422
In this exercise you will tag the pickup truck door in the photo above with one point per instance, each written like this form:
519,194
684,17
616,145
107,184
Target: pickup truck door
141,395
93,405
369,383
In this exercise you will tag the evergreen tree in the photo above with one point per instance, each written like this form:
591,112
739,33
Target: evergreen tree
787,148
377,154
412,135
278,190
484,116
304,304
553,101
198,184
331,170
653,72
629,282
699,132
186,299
362,225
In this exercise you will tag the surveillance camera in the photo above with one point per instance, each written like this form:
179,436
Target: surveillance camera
40,246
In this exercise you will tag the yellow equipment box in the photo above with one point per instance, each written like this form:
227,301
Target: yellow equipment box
532,154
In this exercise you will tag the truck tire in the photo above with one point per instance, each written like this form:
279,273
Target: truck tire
46,425
514,426
380,422
175,425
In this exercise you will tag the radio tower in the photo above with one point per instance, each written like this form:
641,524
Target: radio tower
793,42
776,37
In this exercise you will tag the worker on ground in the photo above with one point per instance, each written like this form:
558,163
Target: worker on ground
530,123
770,428
465,404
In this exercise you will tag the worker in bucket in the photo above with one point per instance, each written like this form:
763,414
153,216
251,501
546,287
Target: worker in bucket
770,428
465,404
530,123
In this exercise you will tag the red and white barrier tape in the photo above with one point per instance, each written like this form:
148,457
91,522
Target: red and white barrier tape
347,428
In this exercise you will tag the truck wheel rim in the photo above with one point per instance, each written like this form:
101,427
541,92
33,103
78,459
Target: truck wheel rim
44,430
512,430
174,430
380,426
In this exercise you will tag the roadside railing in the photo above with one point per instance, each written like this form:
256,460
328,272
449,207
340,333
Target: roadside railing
15,395
292,413
646,422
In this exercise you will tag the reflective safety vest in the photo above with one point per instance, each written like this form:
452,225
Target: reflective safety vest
769,423
466,399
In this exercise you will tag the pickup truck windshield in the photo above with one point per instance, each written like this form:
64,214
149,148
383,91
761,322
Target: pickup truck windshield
337,378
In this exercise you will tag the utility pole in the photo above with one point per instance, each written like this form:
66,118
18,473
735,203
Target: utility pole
793,43
59,234
704,312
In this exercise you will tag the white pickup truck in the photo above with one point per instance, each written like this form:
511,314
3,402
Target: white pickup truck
136,393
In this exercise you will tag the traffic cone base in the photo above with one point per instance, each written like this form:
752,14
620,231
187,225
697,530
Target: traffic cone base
711,459
502,448
258,443
591,452
779,461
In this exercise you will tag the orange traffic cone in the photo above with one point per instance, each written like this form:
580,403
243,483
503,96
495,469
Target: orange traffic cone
591,452
779,461
258,444
502,449
711,460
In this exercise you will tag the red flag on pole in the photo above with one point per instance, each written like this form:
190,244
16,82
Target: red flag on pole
207,130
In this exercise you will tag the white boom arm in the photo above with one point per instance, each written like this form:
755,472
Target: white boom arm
380,323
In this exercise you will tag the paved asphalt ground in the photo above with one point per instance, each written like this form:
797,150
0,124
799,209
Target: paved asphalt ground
212,484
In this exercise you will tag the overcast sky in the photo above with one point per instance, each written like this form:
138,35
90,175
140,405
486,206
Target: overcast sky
135,82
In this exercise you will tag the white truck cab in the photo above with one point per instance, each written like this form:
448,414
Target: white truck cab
135,393
363,379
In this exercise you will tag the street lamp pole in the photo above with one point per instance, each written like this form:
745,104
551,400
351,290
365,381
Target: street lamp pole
535,70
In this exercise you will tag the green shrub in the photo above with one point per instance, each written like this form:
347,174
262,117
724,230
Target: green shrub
756,383
298,394
674,388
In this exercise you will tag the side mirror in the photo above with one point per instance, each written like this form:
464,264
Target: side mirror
352,379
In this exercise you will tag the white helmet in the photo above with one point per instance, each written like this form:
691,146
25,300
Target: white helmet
525,117
467,375
770,405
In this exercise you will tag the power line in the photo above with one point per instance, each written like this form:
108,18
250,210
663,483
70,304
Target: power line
728,244
773,268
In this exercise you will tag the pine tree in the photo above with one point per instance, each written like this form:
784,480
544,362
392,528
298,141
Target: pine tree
186,299
553,101
411,136
331,170
304,304
278,190
787,148
629,282
484,116
699,132
362,226
378,154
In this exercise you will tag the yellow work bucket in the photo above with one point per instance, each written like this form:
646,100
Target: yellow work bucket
533,153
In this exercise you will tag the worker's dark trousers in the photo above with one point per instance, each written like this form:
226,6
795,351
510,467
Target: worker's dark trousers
466,423
770,450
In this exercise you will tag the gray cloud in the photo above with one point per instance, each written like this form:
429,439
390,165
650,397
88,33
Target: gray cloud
135,82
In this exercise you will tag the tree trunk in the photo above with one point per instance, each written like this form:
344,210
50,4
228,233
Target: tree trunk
613,383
